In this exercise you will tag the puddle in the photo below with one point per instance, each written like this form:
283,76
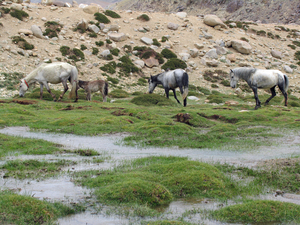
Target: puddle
107,145
64,190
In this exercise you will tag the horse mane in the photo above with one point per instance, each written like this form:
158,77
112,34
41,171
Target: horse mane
33,73
244,71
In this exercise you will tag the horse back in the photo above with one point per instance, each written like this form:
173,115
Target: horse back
266,79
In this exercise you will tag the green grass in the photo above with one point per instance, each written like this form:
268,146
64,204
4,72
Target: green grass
24,210
18,145
155,181
259,211
22,169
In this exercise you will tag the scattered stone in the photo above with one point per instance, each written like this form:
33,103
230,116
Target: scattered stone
173,26
213,20
241,46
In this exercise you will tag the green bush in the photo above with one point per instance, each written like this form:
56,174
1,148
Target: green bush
95,51
173,64
78,53
113,80
65,50
108,41
168,54
226,83
5,10
292,47
115,51
112,14
297,43
297,55
127,48
214,98
261,33
127,66
101,18
75,54
92,35
164,39
22,43
109,67
99,43
156,43
19,14
143,17
118,93
83,47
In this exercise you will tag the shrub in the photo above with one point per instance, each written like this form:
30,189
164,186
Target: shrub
95,51
168,54
109,57
204,90
109,67
112,14
83,47
244,39
297,43
127,48
226,83
108,41
261,33
99,43
164,39
75,54
92,35
127,66
22,43
173,64
5,10
270,35
143,17
119,93
113,80
155,42
297,55
52,30
215,99
292,47
115,51
101,18
19,14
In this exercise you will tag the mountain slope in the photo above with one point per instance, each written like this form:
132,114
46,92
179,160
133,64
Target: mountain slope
266,11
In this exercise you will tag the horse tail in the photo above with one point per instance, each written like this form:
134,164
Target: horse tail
286,82
105,88
185,83
73,81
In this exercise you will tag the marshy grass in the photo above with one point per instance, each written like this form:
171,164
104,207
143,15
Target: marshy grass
18,209
259,211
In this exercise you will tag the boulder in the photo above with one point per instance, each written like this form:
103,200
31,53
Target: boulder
94,28
58,3
276,54
147,41
288,69
37,31
83,24
16,6
114,27
213,20
241,46
91,9
231,57
117,37
75,4
173,26
151,62
25,31
46,2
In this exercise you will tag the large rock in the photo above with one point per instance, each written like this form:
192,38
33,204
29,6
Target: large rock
241,46
213,20
37,32
147,41
47,2
83,24
58,3
117,37
16,6
91,9
276,54
151,62
74,4
173,26
94,28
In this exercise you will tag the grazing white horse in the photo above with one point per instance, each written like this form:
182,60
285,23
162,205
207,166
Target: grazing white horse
54,73
170,80
261,79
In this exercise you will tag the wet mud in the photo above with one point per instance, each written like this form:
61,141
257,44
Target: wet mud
110,148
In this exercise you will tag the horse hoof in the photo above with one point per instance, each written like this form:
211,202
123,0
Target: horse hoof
256,107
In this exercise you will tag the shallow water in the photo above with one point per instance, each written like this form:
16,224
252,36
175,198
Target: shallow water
63,189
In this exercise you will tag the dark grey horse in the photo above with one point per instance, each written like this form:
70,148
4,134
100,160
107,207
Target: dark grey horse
261,79
170,80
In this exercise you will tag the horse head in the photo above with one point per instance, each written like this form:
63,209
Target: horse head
152,84
23,87
233,79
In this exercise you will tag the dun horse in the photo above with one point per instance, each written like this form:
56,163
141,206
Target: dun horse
261,79
94,86
53,73
170,80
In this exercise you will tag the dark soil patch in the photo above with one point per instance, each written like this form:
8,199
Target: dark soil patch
219,117
22,102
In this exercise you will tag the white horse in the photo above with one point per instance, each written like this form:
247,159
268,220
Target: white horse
261,79
54,73
170,80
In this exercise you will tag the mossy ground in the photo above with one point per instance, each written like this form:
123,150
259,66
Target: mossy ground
145,183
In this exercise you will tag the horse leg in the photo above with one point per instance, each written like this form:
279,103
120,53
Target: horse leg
65,90
41,91
48,89
181,91
175,96
281,87
167,92
256,98
88,95
273,95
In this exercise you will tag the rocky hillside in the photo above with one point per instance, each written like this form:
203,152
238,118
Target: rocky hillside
266,11
205,46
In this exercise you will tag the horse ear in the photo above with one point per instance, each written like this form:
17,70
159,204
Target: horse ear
231,70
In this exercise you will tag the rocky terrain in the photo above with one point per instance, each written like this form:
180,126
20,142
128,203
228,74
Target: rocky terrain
266,11
203,42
